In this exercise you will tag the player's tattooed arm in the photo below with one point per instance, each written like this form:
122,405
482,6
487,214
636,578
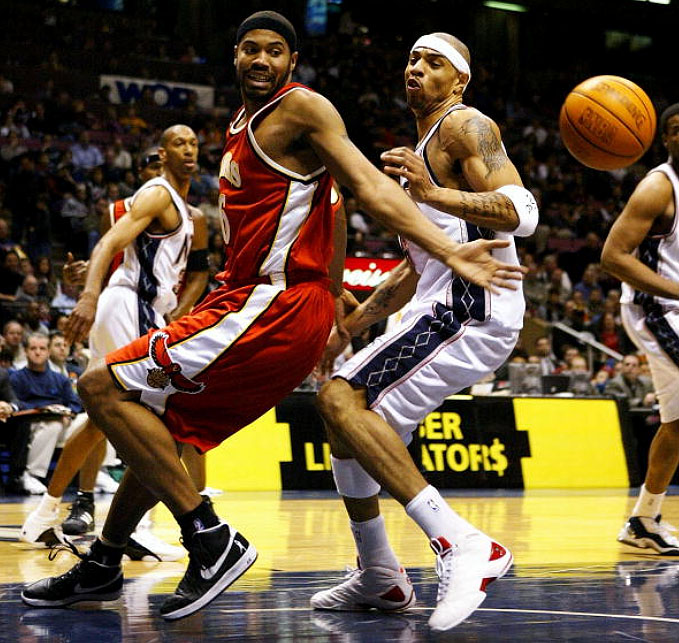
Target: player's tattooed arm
389,297
470,140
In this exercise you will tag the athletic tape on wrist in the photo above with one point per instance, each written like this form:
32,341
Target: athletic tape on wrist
525,206
352,480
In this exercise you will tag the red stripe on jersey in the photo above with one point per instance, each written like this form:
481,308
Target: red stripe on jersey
275,219
118,209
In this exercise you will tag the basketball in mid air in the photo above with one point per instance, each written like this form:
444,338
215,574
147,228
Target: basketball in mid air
607,122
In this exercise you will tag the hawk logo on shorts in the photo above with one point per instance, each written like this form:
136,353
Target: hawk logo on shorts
169,372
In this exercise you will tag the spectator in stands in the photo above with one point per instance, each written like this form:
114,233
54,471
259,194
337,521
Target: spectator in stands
588,254
10,276
580,376
132,123
9,402
6,85
629,383
546,358
39,228
66,300
74,210
28,291
589,281
47,282
600,380
85,155
611,334
12,148
127,186
32,319
13,334
6,242
38,387
122,159
59,350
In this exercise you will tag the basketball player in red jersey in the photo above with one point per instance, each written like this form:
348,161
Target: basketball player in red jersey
255,338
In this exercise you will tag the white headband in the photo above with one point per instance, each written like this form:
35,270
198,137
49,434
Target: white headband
430,41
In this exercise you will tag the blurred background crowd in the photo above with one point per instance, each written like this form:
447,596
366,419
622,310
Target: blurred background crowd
87,86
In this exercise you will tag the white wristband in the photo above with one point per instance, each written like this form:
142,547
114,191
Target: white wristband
526,209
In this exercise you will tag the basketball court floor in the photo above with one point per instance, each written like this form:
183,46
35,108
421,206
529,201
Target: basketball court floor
571,579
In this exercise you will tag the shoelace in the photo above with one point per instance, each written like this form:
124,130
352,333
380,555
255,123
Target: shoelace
444,570
64,545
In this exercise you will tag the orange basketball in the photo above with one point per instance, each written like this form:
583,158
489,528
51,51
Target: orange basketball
607,122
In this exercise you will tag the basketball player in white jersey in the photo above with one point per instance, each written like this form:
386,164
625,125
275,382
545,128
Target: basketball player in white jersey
451,335
642,250
141,295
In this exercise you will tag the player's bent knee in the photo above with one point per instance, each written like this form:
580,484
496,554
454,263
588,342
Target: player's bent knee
333,399
94,383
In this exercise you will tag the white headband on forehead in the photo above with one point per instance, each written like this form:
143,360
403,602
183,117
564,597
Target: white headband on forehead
430,41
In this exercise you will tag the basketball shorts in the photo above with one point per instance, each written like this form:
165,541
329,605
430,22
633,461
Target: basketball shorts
409,371
121,318
658,338
233,358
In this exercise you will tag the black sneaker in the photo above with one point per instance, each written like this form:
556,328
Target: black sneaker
217,557
81,517
649,533
88,580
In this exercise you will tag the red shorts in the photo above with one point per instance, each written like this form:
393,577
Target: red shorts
233,358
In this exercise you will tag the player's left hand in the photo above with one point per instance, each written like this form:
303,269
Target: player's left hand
81,318
474,262
401,161
74,272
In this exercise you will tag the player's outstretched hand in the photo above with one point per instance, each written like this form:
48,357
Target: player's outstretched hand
74,272
473,261
333,349
81,318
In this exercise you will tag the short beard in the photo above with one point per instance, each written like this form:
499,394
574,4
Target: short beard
257,96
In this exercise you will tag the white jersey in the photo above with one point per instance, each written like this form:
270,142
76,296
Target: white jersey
154,263
470,303
660,253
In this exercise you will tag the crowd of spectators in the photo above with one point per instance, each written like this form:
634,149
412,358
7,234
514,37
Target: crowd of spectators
67,151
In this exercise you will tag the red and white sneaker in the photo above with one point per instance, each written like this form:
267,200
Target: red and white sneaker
373,587
464,572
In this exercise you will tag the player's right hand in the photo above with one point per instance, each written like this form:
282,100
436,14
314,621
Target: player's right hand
474,262
81,318
74,272
333,349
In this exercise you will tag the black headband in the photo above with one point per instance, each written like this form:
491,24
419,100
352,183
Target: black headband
667,114
272,21
153,157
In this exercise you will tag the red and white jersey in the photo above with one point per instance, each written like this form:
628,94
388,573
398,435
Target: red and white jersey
115,211
275,222
154,263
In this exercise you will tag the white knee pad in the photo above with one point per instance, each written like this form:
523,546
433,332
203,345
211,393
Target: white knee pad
352,480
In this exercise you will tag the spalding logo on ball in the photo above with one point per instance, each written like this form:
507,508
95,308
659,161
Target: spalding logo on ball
607,122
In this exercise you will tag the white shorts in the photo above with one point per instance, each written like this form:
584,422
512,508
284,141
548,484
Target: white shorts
657,335
121,318
409,371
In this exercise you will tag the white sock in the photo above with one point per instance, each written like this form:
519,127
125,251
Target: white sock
48,505
435,517
373,545
648,504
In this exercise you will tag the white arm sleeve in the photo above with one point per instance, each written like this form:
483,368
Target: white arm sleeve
526,209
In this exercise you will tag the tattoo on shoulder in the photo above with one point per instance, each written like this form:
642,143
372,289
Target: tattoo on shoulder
487,142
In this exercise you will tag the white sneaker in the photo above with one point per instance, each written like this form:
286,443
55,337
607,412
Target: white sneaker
210,492
373,587
464,571
143,545
646,533
32,484
39,528
105,483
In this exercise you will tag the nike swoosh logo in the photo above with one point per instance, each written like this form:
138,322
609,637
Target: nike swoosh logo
79,589
207,573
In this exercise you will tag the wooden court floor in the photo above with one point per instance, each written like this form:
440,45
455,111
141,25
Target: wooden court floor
571,580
